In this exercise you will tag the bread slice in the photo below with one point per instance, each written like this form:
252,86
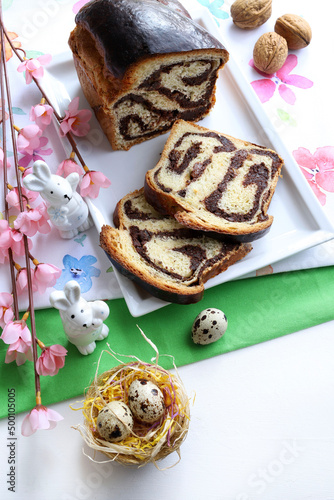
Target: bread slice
213,182
142,64
168,260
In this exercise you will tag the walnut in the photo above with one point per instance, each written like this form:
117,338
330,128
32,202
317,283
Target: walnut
250,14
270,52
296,31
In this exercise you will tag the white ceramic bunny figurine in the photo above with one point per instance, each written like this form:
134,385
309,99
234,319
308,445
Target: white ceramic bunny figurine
67,210
82,320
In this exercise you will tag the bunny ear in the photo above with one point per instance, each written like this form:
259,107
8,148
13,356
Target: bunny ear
73,178
72,292
39,178
59,301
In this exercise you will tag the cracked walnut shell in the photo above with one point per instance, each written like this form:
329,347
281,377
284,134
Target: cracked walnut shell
270,52
296,31
249,14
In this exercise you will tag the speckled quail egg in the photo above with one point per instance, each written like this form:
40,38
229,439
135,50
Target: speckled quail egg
146,400
114,421
209,326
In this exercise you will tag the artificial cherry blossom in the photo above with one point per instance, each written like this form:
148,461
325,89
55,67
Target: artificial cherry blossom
2,159
41,114
33,220
17,242
5,240
91,183
13,198
6,311
39,418
19,351
51,360
68,166
34,67
75,121
38,153
16,330
22,280
28,139
45,276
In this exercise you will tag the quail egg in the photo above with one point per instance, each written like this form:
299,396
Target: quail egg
209,326
114,422
146,401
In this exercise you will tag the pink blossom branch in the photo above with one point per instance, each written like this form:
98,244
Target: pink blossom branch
58,117
5,83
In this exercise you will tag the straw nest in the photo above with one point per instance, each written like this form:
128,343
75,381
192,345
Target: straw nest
147,442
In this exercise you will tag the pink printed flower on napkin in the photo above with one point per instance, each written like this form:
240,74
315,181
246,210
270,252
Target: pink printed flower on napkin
91,183
77,6
28,139
13,198
41,114
33,220
36,154
2,159
68,166
75,121
318,169
45,276
51,360
6,311
20,351
39,418
266,87
34,67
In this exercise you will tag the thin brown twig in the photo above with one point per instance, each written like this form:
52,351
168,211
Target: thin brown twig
5,83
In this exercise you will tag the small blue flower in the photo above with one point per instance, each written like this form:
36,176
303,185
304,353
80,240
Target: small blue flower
215,7
58,214
81,271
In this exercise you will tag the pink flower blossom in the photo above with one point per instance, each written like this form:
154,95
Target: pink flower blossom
13,198
16,330
318,169
34,67
68,166
75,121
5,240
6,311
51,360
266,87
39,418
91,183
19,351
36,154
28,139
17,242
22,280
45,275
2,158
41,114
33,220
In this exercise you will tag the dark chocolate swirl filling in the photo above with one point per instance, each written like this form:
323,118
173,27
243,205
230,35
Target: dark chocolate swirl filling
196,253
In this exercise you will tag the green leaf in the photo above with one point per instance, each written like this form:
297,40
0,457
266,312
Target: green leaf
18,111
285,117
6,4
32,54
110,269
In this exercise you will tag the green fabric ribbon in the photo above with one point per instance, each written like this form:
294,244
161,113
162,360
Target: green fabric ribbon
258,309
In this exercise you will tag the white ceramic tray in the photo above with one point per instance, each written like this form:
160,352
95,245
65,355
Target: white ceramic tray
299,221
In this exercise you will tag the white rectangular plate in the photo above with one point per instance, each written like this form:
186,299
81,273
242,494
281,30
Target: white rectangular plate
299,221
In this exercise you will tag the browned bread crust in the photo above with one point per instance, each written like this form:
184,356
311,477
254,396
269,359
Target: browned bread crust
143,64
169,261
213,182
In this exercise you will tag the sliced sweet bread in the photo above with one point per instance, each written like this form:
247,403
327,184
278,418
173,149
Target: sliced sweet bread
142,64
213,182
170,261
